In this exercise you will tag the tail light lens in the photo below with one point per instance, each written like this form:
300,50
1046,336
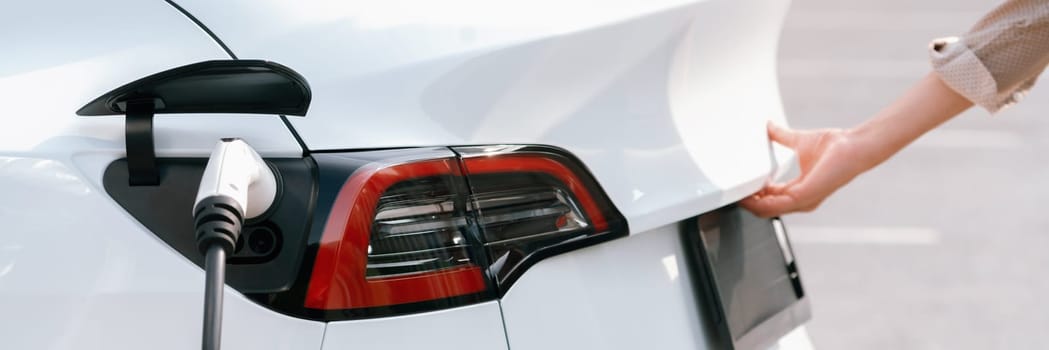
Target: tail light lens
396,234
417,229
534,202
411,230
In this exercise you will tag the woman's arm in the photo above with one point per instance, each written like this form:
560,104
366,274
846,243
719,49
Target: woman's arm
994,65
830,158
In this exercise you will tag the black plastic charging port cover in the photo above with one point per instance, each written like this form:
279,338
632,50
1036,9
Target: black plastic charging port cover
219,86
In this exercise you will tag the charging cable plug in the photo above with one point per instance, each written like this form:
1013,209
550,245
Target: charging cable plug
237,185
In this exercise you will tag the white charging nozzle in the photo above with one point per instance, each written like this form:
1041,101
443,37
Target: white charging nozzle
236,171
237,185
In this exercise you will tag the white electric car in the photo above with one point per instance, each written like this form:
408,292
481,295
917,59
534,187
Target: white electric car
456,174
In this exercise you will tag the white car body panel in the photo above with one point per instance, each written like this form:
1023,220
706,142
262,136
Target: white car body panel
474,327
630,293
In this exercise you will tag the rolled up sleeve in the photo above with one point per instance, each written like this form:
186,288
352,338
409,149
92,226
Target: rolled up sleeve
999,59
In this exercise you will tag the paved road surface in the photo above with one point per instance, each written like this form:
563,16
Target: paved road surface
947,245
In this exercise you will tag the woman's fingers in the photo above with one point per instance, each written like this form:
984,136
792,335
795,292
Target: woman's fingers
770,204
779,199
826,163
779,188
803,193
782,135
776,199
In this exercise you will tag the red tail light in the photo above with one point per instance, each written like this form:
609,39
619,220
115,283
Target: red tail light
420,229
344,275
542,164
534,202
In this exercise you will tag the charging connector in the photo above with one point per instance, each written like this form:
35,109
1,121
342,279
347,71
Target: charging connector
237,185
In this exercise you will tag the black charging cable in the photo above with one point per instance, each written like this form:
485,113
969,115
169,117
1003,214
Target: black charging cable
218,221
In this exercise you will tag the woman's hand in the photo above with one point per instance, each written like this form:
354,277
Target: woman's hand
829,158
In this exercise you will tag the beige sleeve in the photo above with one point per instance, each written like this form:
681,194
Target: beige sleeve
998,60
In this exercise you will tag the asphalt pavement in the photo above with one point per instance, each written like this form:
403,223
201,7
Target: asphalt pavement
945,246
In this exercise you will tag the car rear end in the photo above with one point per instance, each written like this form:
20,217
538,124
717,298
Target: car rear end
470,175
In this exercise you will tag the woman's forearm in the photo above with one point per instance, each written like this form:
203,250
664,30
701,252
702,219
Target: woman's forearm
923,107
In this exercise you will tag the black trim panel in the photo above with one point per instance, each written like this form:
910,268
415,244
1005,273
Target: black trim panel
167,211
742,274
216,86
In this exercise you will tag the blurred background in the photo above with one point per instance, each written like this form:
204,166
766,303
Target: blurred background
944,246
